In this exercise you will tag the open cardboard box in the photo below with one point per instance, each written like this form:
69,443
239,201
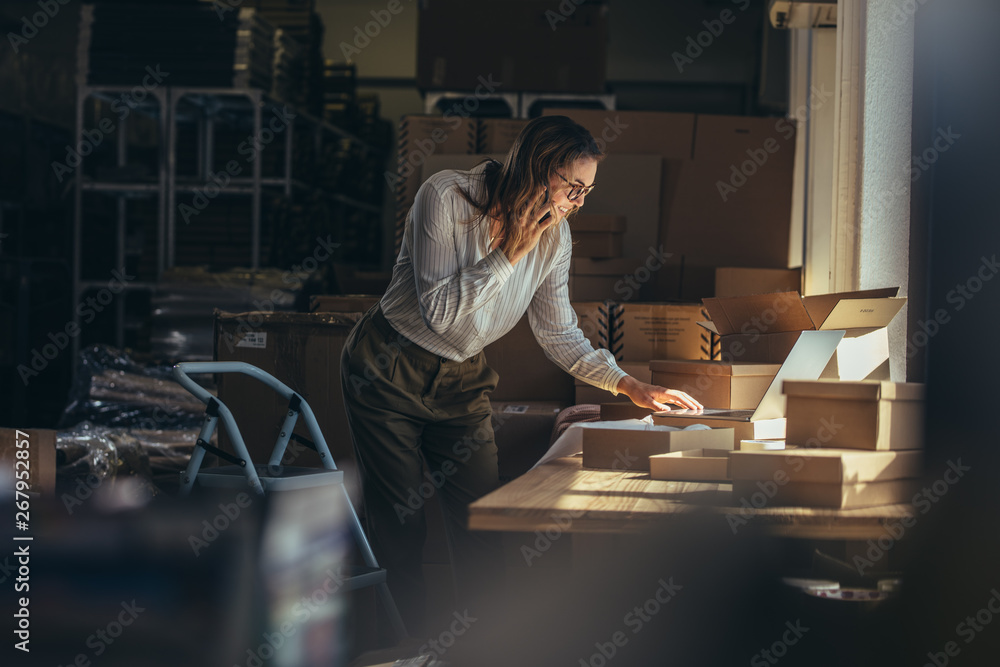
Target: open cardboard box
630,449
706,465
764,327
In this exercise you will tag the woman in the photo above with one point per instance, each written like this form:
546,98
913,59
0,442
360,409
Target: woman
480,248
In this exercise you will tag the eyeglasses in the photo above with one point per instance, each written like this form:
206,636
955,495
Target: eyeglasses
576,191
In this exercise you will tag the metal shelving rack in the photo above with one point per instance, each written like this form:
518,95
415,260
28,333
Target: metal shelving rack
163,103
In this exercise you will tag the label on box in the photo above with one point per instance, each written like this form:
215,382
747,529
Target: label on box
516,409
254,339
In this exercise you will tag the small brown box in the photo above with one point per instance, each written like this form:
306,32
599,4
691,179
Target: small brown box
617,411
716,384
691,465
855,415
628,449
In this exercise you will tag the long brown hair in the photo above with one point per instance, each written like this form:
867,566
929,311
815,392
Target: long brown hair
545,145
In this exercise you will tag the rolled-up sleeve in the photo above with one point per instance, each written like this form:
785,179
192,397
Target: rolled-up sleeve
555,325
448,292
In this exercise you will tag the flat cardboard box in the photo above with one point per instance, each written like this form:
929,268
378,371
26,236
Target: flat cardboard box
736,281
497,135
598,236
762,445
645,331
855,415
827,466
708,465
302,350
346,303
734,385
526,374
586,393
626,449
617,411
571,59
41,462
764,327
420,137
765,429
831,496
522,430
733,199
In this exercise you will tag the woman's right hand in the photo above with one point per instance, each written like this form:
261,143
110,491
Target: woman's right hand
531,226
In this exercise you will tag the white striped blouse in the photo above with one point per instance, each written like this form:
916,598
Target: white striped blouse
451,296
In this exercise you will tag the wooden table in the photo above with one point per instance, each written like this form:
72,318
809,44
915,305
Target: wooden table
562,495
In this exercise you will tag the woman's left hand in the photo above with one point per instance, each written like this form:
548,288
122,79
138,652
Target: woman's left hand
654,397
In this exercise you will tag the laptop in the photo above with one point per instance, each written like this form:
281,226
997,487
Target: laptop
809,356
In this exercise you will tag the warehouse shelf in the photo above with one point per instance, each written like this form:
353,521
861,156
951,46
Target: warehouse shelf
458,103
530,101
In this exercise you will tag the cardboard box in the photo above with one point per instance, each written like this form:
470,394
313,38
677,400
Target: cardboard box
762,445
604,279
831,496
827,466
764,327
645,331
526,374
571,58
627,449
418,138
40,462
522,431
592,318
302,350
855,415
733,200
669,137
765,429
734,385
710,465
497,135
597,236
734,281
336,303
617,411
586,393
